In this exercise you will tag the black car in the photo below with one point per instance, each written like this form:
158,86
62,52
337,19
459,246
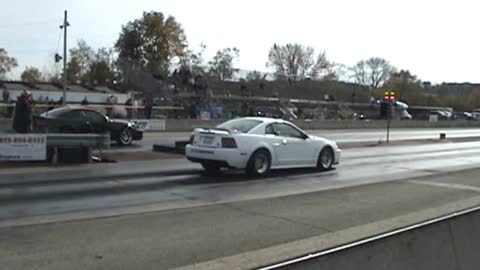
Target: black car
81,120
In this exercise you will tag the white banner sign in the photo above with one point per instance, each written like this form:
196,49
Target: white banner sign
23,147
150,125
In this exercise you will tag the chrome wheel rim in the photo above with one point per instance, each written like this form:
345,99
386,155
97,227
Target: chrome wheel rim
261,163
326,159
126,137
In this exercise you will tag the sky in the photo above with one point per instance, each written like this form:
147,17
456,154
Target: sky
435,40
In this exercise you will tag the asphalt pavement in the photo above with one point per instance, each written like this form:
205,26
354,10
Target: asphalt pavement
167,214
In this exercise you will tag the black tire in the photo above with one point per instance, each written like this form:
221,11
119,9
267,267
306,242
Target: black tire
326,159
211,168
125,137
259,163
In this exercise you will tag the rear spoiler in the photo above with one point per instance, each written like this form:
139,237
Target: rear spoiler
210,130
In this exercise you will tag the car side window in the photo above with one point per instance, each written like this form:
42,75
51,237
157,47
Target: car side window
285,130
76,116
95,118
269,130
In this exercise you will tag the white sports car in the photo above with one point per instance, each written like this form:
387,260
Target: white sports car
258,145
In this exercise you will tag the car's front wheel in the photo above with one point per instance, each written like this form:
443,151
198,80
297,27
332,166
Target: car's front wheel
325,159
126,137
259,163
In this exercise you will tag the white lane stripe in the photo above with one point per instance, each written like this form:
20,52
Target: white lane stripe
445,185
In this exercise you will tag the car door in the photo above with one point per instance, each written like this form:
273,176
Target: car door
74,122
96,121
293,148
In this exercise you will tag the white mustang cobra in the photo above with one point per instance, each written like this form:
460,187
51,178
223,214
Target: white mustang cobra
258,145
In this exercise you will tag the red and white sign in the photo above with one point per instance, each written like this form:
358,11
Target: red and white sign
23,147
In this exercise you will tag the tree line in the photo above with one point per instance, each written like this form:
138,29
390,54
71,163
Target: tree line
152,44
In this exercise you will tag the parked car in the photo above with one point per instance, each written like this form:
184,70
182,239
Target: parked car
258,145
463,116
82,120
442,115
476,114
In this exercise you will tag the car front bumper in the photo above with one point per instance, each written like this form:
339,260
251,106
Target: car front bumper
223,156
338,154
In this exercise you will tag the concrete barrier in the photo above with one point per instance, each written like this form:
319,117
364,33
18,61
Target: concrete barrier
448,243
189,124
376,124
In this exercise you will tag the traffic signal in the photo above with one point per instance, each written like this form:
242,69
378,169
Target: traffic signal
389,96
58,58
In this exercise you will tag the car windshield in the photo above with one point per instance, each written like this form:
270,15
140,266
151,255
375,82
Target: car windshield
240,125
54,113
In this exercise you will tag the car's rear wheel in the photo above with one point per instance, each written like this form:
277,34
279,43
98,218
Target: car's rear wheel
259,163
325,159
211,168
126,137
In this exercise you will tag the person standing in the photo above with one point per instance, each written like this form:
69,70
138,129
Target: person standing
85,101
135,108
148,106
128,107
6,95
22,118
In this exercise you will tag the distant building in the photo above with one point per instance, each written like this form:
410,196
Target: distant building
75,93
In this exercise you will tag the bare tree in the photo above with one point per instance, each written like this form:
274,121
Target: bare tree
6,63
255,76
194,61
221,66
373,72
297,62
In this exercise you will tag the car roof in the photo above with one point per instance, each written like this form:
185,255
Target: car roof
265,119
61,110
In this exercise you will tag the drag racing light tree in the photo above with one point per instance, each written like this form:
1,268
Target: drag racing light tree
388,100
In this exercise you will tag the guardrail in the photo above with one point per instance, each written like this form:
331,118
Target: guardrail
78,140
189,124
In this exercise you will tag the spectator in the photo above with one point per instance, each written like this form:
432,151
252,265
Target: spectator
10,108
22,118
135,108
51,104
85,101
148,108
6,95
128,107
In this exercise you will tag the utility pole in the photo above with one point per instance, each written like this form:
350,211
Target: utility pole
389,100
64,83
